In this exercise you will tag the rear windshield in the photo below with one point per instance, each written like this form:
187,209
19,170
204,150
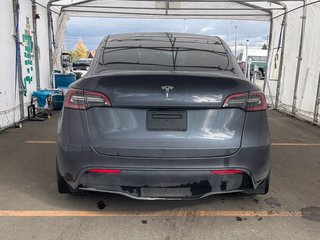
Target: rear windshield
176,54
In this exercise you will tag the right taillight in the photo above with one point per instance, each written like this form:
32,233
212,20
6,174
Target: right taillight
256,102
81,99
249,101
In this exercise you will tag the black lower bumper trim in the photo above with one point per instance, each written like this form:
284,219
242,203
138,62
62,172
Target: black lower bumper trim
165,184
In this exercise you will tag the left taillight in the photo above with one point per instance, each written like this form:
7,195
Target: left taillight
248,101
81,99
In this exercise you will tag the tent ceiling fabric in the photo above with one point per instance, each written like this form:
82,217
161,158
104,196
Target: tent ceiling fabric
186,9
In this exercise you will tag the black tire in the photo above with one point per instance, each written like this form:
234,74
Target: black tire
259,75
62,185
64,188
263,187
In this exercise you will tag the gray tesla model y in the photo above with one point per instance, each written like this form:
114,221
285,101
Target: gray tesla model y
163,116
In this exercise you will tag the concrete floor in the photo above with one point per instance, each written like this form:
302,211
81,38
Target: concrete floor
31,208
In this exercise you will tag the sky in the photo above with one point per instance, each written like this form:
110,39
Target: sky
93,30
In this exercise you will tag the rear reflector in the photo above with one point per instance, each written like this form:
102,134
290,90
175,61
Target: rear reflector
227,171
109,171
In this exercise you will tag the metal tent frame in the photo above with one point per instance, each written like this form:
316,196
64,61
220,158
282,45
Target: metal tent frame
196,9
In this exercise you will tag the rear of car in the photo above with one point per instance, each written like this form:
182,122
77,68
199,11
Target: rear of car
81,64
163,116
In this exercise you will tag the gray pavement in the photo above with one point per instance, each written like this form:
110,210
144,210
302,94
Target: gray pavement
291,210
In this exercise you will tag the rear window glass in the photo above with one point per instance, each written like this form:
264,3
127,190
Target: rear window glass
161,54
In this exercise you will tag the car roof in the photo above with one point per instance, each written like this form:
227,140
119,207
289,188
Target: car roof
161,35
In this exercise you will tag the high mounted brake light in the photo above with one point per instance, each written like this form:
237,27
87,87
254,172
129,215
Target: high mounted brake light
249,101
80,99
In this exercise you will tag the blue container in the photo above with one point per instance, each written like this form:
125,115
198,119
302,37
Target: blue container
62,80
58,102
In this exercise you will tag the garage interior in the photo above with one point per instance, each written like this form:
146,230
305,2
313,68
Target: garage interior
31,208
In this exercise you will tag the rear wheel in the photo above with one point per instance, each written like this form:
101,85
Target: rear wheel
258,75
62,185
263,187
64,188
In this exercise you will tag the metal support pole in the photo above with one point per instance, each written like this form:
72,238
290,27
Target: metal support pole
267,74
167,6
284,25
235,41
317,104
16,7
49,15
36,47
249,68
296,83
247,64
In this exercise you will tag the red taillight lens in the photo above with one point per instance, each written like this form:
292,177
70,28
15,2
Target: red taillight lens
226,171
238,100
250,101
256,102
79,99
109,171
75,99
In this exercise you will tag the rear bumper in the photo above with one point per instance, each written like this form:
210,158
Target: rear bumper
164,184
163,178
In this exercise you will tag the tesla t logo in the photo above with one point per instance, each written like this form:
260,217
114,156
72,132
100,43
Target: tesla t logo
167,89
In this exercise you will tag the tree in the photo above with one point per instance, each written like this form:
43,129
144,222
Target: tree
81,50
73,56
264,47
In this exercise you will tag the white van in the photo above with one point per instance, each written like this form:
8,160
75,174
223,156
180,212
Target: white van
258,58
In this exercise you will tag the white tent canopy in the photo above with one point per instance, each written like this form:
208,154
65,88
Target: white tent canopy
293,76
168,9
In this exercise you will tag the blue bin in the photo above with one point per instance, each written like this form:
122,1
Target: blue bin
58,102
62,80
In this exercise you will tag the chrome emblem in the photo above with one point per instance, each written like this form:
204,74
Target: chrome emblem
167,89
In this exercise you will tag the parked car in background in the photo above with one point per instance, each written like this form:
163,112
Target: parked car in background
65,60
82,64
258,58
163,116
